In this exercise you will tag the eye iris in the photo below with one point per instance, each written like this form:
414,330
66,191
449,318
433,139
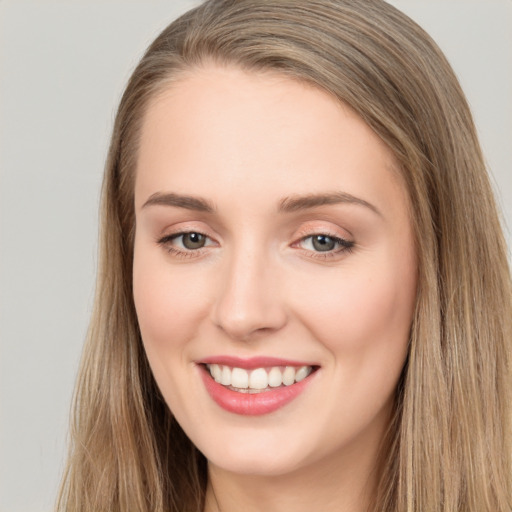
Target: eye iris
193,240
323,243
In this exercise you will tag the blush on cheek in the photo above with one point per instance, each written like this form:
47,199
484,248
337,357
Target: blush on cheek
168,304
362,314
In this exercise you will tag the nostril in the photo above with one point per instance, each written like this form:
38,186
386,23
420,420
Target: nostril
250,321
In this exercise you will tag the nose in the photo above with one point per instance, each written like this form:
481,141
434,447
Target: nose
249,303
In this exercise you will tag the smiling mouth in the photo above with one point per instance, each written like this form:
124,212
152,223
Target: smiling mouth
258,380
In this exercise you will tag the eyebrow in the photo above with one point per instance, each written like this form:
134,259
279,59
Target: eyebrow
305,202
287,205
188,202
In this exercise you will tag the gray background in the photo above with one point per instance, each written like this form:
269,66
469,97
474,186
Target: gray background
63,65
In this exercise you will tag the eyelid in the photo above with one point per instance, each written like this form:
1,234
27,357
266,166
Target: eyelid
343,243
184,227
322,227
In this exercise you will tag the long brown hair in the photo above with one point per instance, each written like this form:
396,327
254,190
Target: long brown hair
449,446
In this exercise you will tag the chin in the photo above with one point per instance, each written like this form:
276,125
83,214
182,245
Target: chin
257,464
264,452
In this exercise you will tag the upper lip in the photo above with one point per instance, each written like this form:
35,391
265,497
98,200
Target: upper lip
252,362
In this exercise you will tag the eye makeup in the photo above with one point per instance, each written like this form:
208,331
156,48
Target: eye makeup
321,245
324,245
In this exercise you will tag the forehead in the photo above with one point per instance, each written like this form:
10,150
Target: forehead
229,131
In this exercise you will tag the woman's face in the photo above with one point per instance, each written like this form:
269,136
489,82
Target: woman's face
274,271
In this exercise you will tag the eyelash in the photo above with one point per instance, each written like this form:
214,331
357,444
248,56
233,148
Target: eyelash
167,240
344,245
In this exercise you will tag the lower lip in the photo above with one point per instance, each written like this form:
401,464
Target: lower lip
252,404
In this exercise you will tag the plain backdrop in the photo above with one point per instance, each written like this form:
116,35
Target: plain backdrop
63,65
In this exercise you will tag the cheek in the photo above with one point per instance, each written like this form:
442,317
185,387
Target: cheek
368,342
372,307
168,305
168,302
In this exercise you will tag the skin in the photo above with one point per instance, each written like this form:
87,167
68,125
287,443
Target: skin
244,142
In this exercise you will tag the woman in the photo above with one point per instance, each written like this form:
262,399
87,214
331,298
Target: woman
303,299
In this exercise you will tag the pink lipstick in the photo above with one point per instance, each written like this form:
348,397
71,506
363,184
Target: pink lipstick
254,386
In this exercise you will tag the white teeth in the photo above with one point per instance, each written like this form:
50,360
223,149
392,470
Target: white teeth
239,378
302,373
216,372
225,378
275,378
259,378
289,376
